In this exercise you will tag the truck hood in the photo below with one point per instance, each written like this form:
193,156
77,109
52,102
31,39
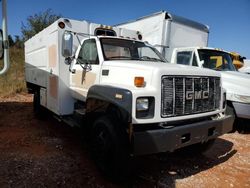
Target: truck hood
245,70
236,83
123,72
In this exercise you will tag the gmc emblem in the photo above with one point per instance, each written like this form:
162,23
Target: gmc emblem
190,95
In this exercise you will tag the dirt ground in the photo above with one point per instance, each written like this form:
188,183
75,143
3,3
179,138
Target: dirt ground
48,153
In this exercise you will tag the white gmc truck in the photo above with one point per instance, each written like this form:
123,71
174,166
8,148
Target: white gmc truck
184,41
121,92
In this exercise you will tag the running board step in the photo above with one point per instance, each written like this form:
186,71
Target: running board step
71,121
80,112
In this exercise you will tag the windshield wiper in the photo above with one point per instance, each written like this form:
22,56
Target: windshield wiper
147,58
216,68
119,57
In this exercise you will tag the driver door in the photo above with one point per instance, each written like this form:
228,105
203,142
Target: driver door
85,70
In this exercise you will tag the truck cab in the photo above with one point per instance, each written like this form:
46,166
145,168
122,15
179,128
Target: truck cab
235,83
96,60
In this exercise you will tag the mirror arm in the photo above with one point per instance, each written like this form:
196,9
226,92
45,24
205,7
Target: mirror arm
71,70
77,38
5,38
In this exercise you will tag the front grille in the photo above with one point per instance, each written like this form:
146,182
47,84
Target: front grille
189,95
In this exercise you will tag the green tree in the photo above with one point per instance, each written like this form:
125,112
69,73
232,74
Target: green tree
11,41
18,42
38,22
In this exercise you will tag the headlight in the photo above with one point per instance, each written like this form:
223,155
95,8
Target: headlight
242,98
142,104
145,107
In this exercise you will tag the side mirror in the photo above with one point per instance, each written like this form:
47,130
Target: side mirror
1,44
67,44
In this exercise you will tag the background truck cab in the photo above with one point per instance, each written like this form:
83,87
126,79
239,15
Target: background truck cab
235,83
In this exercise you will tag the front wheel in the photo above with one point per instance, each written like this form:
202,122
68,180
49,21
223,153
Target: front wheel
243,125
230,111
110,154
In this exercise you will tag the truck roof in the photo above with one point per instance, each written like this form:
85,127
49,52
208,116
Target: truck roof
174,18
204,48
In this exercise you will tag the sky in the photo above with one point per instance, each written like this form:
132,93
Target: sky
228,20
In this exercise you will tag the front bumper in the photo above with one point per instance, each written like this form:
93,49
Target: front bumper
242,110
163,140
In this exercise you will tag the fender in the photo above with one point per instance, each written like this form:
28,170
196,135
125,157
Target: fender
100,97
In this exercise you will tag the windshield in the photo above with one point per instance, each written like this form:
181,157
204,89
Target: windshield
216,60
121,49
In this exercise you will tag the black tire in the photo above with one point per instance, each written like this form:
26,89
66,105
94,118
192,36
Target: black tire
230,111
38,110
243,125
109,151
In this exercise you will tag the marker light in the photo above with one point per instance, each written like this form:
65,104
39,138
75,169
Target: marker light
106,27
139,81
61,25
139,36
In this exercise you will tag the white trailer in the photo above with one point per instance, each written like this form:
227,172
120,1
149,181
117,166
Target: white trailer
167,31
121,92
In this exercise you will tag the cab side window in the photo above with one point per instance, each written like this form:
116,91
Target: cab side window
88,53
183,57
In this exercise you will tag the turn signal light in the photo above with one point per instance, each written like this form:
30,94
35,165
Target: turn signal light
106,27
139,81
61,25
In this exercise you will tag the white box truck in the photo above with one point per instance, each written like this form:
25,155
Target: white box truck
122,93
175,37
167,31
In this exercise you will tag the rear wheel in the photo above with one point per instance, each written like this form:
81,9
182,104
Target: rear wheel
38,110
109,152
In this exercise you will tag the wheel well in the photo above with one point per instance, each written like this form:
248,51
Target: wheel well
97,108
230,104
